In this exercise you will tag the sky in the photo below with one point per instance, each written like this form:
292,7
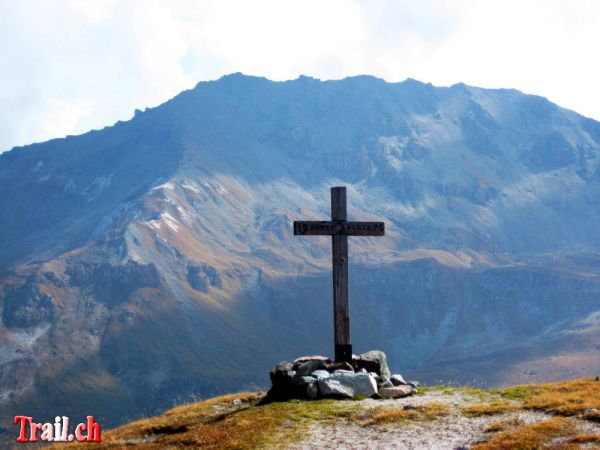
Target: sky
68,66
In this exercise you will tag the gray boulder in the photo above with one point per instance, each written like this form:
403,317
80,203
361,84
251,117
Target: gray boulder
384,384
303,359
373,361
282,373
312,391
343,372
300,381
303,387
397,380
320,374
281,380
309,367
348,385
284,367
332,367
397,391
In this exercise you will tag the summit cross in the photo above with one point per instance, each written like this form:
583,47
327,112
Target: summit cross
339,229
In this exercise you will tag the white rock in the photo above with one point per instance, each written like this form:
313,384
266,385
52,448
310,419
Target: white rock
397,380
348,385
397,391
342,372
320,374
312,391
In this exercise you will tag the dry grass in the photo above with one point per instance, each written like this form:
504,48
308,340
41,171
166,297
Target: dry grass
393,415
592,416
220,424
529,437
489,409
236,421
585,439
434,410
566,398
504,424
430,411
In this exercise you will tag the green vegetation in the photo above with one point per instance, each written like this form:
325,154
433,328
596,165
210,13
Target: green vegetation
238,421
517,392
476,393
430,411
228,422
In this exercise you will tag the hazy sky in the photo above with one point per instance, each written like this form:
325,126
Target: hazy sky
69,66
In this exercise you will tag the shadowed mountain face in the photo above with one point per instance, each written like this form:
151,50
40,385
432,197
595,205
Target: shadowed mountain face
155,259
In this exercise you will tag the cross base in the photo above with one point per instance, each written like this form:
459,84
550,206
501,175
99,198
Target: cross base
343,353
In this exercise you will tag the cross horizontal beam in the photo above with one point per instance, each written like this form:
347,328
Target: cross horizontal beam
338,228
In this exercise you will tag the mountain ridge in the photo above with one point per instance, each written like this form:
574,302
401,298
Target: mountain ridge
173,231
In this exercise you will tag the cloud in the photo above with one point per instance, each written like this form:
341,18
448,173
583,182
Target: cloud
281,39
70,66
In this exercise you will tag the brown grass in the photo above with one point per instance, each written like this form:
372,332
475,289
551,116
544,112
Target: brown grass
529,437
489,409
565,398
504,424
430,411
593,416
585,439
394,415
220,424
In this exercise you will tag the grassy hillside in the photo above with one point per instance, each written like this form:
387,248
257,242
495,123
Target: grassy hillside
564,415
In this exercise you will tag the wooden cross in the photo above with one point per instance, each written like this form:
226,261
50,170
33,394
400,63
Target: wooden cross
339,229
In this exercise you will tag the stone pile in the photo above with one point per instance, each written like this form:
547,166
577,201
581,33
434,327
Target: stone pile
313,377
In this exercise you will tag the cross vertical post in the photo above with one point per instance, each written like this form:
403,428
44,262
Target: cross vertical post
339,252
339,229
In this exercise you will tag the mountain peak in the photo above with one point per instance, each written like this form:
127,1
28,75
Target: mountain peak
174,230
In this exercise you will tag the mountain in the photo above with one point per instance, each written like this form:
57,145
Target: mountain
154,259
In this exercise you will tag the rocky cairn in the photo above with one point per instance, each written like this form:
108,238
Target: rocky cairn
313,377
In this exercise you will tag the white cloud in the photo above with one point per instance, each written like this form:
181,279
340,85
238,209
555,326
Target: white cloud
71,65
279,39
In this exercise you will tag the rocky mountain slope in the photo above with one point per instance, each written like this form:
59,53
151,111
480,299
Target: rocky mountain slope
155,259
